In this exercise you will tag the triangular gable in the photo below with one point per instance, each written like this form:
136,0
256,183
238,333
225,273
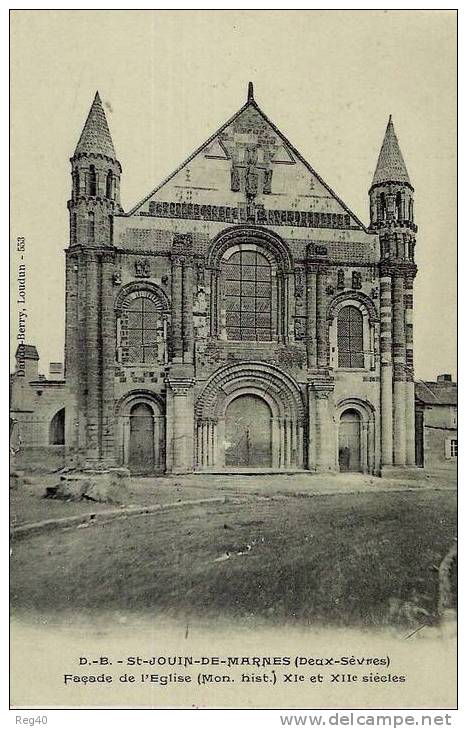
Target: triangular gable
226,147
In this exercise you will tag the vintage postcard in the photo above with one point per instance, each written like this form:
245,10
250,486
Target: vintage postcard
233,390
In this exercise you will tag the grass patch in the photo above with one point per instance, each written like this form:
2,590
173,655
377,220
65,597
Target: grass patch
361,559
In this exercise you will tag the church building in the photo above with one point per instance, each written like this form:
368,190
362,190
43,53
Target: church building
241,316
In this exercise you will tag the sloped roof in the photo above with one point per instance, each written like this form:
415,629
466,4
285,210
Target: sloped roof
28,351
252,105
95,136
436,393
391,166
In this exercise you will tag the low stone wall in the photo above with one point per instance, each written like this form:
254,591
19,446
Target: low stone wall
41,459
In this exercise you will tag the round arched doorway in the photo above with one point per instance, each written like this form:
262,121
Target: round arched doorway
350,455
141,447
248,432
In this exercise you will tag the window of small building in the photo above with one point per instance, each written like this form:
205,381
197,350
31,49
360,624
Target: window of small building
57,428
453,448
248,296
350,338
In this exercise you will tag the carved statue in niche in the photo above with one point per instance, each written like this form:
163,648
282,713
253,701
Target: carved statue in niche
200,274
201,327
299,329
142,268
235,179
299,287
267,182
341,279
251,180
200,305
356,280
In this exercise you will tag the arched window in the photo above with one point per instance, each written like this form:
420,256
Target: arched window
91,227
76,183
248,296
411,210
57,428
350,338
382,206
399,207
140,323
74,231
109,185
92,181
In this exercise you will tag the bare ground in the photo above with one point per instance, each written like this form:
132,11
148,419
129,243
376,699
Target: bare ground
339,558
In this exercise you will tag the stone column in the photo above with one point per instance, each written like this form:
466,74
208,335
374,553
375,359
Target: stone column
322,436
177,287
399,355
311,315
214,303
71,356
92,359
180,423
289,320
322,329
108,358
187,310
409,384
386,368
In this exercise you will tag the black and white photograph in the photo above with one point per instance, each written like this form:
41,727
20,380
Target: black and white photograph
233,353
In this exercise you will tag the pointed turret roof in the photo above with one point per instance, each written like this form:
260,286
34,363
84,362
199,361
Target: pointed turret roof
95,136
391,166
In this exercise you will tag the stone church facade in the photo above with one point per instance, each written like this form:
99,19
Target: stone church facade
240,316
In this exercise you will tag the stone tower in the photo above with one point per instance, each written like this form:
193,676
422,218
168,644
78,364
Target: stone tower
392,217
89,329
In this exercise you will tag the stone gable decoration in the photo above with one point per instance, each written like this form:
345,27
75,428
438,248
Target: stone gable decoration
275,301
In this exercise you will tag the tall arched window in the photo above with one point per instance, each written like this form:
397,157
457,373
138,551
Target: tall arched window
248,296
411,210
350,338
382,206
139,330
109,185
399,207
92,181
76,183
57,428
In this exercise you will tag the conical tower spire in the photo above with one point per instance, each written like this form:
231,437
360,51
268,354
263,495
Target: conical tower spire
391,166
95,137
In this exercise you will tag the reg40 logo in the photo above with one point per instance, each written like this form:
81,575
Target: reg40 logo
31,720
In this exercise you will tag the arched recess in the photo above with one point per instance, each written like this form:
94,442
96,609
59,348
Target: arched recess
57,428
251,239
370,318
366,435
149,408
136,304
256,379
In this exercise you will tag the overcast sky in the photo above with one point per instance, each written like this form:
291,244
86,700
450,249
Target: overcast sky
168,80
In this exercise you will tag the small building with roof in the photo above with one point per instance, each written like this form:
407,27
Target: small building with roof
436,423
